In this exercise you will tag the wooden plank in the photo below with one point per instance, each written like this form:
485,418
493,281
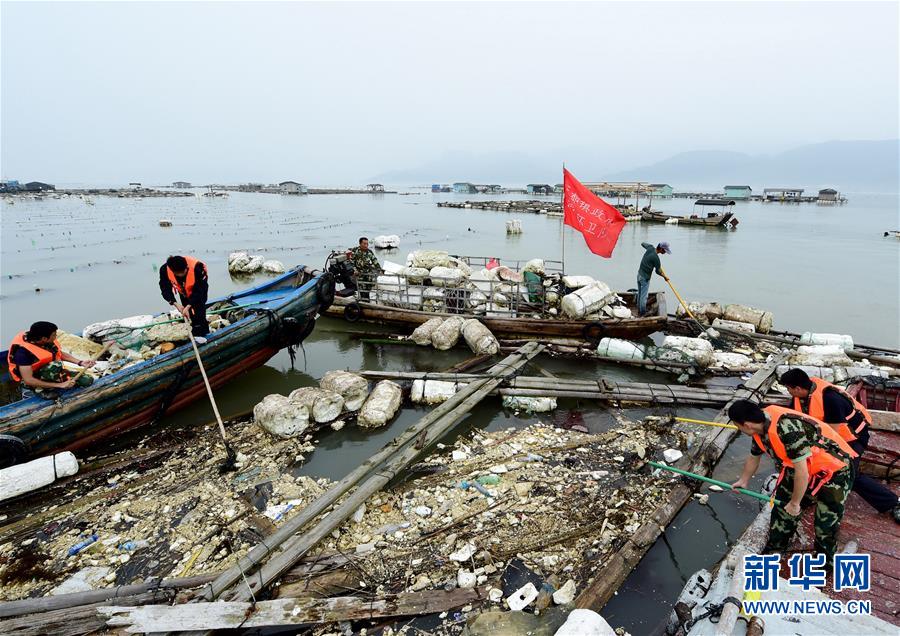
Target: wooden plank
282,612
74,621
607,579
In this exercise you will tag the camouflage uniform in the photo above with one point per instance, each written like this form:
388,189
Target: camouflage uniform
798,436
366,267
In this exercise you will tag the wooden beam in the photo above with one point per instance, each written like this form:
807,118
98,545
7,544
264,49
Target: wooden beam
281,612
74,621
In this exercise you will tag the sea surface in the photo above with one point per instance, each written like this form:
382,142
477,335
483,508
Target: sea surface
817,268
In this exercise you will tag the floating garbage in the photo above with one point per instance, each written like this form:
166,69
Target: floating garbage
529,404
422,334
585,622
350,386
696,350
514,226
273,267
323,405
428,259
245,263
843,341
165,223
587,299
479,338
432,391
761,319
381,405
386,241
446,335
621,349
281,417
820,356
746,327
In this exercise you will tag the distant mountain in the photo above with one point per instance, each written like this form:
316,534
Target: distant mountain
845,165
495,167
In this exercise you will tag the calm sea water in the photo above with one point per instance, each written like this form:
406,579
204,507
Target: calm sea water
817,268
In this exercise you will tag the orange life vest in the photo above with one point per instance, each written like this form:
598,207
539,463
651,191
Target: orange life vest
821,464
817,408
44,357
189,280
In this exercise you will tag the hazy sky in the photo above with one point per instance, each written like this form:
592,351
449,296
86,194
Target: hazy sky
337,92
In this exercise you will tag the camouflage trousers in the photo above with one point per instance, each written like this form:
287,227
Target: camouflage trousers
829,501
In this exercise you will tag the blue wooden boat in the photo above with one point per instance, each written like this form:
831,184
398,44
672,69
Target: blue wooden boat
279,314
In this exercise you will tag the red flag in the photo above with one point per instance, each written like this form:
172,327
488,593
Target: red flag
598,221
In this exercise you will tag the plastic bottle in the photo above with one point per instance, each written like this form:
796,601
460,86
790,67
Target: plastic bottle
81,545
465,485
489,480
128,546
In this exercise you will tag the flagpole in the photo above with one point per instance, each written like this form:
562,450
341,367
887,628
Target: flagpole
562,219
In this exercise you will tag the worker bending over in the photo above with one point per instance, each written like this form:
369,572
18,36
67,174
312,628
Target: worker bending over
35,359
188,277
814,465
834,406
649,264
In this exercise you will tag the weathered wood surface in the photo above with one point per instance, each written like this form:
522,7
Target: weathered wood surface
608,578
281,612
83,619
119,592
292,526
882,457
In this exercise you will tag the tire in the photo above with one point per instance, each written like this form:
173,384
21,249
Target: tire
352,312
12,451
594,332
325,291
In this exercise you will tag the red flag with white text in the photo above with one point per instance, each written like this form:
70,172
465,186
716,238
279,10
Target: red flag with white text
598,221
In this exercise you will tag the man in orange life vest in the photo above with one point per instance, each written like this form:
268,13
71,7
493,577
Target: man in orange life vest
814,464
33,350
834,406
187,276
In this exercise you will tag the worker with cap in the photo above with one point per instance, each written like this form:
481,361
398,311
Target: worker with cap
649,264
831,404
814,465
35,359
188,277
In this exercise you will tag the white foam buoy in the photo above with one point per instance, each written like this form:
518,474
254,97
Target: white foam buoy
35,474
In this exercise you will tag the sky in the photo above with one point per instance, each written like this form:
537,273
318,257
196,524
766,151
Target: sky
336,93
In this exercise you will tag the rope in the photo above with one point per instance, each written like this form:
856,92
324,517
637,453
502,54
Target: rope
714,611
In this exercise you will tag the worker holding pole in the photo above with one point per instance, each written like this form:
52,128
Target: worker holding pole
649,263
814,465
187,277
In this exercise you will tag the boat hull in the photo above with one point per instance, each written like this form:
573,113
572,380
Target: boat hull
143,393
710,221
629,328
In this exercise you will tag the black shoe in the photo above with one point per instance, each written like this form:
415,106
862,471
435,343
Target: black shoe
895,513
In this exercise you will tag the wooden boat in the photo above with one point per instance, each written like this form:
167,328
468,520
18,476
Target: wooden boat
279,314
353,310
710,220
